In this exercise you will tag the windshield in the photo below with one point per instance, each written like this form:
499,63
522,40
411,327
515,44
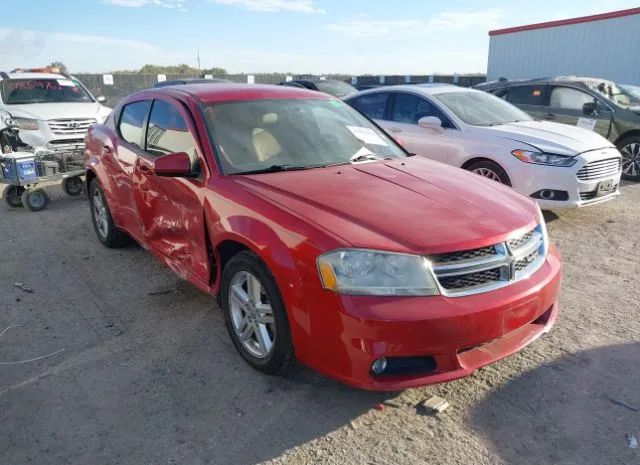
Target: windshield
294,134
23,91
479,108
625,96
336,88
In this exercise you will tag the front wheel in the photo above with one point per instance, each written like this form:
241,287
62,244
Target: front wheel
255,315
106,230
35,199
630,150
490,170
13,196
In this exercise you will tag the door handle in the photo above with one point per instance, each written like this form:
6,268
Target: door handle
145,169
550,116
396,130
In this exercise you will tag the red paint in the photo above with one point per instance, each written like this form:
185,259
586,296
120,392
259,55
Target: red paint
288,219
567,22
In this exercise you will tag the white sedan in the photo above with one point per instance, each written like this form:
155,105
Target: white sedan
556,164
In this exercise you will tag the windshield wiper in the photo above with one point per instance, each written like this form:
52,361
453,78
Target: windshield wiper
276,169
364,157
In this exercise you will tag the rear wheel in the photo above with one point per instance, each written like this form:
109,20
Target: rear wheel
35,199
490,170
630,150
72,186
106,230
255,314
13,196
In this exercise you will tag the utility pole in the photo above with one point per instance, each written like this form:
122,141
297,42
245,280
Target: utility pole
199,70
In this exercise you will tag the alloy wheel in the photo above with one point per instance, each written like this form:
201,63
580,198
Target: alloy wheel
100,213
631,159
487,173
251,314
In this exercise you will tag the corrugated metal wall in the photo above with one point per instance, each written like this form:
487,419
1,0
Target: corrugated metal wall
608,49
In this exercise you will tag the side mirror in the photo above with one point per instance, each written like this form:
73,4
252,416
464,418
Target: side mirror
101,99
591,109
430,122
173,165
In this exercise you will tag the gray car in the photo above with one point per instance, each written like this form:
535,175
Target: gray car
603,106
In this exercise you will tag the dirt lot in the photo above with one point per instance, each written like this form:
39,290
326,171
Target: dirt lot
148,374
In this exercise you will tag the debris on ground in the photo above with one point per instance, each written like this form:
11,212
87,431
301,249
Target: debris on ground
632,441
379,407
165,292
23,287
353,425
435,405
392,403
623,404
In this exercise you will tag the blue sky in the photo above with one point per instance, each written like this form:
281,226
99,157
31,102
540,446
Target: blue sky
297,36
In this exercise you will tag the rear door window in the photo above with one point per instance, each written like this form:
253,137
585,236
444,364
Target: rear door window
373,105
408,109
527,95
132,119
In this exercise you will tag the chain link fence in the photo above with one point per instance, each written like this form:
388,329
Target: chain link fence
125,84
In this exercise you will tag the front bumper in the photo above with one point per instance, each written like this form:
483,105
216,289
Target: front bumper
461,334
581,193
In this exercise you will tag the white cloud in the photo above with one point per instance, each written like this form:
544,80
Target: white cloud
447,21
299,6
178,4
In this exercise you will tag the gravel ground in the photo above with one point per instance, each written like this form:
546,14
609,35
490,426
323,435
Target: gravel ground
146,373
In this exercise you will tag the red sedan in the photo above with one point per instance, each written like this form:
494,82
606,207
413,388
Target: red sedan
325,241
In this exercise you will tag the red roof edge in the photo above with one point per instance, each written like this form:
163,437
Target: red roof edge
567,22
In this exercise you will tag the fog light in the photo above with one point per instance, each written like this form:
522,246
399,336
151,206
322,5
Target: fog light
378,367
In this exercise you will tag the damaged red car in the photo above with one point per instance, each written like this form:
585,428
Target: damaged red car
324,241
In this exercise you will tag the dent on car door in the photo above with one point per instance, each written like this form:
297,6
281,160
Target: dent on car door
435,143
576,107
170,208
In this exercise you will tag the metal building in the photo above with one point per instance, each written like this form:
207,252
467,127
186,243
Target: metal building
605,46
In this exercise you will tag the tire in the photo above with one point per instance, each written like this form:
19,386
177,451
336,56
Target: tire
490,170
281,356
106,230
72,186
12,195
630,150
35,199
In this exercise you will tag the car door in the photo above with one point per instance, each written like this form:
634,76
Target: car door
405,111
170,209
131,132
567,105
532,99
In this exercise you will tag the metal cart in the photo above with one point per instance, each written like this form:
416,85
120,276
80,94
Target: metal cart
23,172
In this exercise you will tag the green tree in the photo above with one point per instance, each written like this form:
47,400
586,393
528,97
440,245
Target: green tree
60,65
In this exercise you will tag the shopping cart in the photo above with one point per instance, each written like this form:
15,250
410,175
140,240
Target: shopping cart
26,172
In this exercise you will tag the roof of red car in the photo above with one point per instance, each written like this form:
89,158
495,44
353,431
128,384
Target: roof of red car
221,92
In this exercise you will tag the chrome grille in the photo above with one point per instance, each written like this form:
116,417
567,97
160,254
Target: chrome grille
600,169
456,257
480,270
70,127
470,280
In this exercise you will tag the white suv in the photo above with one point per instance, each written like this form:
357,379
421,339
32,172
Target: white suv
556,164
51,110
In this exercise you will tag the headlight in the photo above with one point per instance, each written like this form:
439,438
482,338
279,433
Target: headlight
27,124
542,228
543,158
369,272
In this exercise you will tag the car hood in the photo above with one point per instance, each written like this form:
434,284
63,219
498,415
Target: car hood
549,137
412,204
47,111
